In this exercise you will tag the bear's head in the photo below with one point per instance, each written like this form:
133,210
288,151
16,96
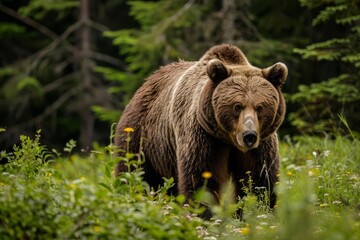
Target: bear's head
241,104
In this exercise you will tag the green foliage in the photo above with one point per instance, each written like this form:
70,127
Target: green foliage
10,29
40,8
324,50
262,53
49,50
43,196
106,114
155,41
328,13
70,146
320,102
28,158
29,83
50,199
150,45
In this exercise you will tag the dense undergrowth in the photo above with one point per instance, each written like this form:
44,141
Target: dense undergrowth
48,195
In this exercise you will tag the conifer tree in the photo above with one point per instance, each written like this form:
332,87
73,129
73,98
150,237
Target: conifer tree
320,103
48,50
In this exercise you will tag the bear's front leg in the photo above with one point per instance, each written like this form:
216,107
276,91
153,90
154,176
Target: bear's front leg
256,171
191,181
193,160
269,160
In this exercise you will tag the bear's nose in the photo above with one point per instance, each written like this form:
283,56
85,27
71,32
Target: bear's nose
250,138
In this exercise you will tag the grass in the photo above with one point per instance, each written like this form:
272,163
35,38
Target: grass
48,195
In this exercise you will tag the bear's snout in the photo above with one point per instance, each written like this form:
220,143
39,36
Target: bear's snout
249,138
247,133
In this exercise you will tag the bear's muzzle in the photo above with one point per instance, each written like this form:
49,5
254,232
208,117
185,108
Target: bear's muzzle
247,135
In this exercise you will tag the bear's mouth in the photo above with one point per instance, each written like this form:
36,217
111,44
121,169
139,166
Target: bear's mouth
246,141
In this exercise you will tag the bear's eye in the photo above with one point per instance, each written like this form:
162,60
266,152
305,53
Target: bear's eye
259,108
237,109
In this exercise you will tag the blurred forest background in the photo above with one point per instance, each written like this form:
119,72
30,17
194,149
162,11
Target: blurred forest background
68,67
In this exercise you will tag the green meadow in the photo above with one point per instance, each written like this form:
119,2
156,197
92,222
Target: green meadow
46,194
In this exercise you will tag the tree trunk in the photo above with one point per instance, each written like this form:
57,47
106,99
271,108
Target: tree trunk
228,23
87,126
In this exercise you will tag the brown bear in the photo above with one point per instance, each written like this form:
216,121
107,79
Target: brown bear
219,114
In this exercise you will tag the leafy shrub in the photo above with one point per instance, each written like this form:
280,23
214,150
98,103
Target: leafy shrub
39,202
47,196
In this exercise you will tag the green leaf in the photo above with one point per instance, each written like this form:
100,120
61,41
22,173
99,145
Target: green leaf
180,199
106,114
29,83
11,29
129,155
78,194
70,146
108,171
106,186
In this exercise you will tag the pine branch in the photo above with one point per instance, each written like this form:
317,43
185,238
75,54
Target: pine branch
250,25
36,57
107,58
58,82
49,110
43,52
28,21
168,21
96,25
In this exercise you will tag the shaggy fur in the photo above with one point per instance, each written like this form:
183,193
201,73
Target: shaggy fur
192,117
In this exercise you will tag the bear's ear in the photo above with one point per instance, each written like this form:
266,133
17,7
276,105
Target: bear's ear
276,74
217,71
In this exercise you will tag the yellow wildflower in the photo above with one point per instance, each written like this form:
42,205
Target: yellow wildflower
206,175
97,229
245,231
313,172
128,129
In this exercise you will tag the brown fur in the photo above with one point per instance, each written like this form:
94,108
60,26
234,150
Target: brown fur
192,117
